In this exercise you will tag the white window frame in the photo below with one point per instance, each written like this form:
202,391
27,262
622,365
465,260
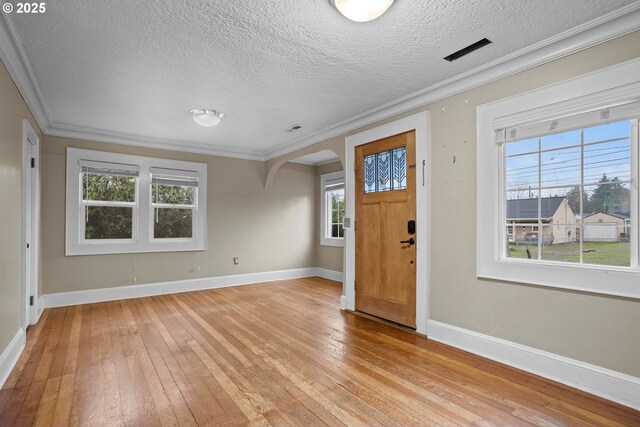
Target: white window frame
142,241
608,87
329,179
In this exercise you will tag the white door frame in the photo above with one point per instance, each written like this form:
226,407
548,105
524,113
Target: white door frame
30,223
420,123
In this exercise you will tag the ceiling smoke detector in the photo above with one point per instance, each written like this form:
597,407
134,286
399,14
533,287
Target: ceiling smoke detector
362,10
205,117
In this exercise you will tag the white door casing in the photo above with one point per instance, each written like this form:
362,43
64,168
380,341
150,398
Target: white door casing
420,123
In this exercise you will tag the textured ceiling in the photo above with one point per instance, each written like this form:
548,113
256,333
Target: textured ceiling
137,67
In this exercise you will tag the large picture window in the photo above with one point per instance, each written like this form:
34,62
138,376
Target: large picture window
118,203
557,178
332,209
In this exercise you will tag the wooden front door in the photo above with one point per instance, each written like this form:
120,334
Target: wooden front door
385,239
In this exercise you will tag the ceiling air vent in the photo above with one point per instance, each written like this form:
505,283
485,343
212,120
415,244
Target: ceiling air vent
467,50
293,128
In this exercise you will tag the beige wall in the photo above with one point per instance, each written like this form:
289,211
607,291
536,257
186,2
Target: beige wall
329,257
12,110
592,328
267,230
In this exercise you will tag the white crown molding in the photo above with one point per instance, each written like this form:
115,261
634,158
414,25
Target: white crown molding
100,135
600,30
606,383
15,58
607,27
11,354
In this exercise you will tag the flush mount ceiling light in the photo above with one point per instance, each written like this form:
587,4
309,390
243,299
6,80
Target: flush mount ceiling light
205,117
362,10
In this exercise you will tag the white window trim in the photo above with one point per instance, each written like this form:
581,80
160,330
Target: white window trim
328,179
143,240
619,83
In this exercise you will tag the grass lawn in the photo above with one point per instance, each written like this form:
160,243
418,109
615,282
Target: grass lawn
617,253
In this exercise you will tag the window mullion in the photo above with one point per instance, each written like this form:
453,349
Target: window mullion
634,233
540,230
581,196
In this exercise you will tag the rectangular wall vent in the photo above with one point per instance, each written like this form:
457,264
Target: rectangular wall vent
467,50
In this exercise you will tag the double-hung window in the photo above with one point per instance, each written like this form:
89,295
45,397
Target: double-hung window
332,209
558,185
119,203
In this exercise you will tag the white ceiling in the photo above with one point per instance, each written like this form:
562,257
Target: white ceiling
133,69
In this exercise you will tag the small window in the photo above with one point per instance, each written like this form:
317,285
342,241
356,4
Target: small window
118,203
174,194
109,193
332,209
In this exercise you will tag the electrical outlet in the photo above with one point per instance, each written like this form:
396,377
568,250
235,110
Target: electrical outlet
236,261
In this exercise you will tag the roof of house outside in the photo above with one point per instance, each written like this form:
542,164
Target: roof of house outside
528,208
615,215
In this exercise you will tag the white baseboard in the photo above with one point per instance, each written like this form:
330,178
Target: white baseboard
343,302
64,299
41,308
611,385
10,355
329,274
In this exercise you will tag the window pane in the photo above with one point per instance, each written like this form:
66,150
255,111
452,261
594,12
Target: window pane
370,173
384,171
173,194
399,156
522,240
173,223
607,244
559,243
558,140
607,161
109,188
521,209
335,199
609,131
109,222
560,167
609,197
522,173
520,147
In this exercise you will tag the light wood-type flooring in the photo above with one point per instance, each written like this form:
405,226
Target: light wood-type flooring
278,353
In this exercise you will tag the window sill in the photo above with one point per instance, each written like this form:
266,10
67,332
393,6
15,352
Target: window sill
596,279
332,242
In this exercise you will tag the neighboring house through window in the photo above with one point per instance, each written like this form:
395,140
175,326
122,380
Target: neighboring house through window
332,209
118,203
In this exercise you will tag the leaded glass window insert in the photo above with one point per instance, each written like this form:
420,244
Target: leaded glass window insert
385,171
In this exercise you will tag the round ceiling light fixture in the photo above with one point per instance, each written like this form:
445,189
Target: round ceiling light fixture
362,10
205,117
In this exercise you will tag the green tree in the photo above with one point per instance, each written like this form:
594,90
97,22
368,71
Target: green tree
573,197
610,196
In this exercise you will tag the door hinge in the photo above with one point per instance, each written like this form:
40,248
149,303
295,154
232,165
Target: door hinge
31,300
33,162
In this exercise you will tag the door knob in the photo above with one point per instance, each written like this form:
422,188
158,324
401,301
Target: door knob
411,241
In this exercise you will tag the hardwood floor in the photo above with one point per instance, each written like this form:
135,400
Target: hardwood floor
279,353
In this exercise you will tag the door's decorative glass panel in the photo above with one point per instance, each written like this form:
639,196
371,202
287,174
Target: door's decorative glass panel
399,168
370,173
385,171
